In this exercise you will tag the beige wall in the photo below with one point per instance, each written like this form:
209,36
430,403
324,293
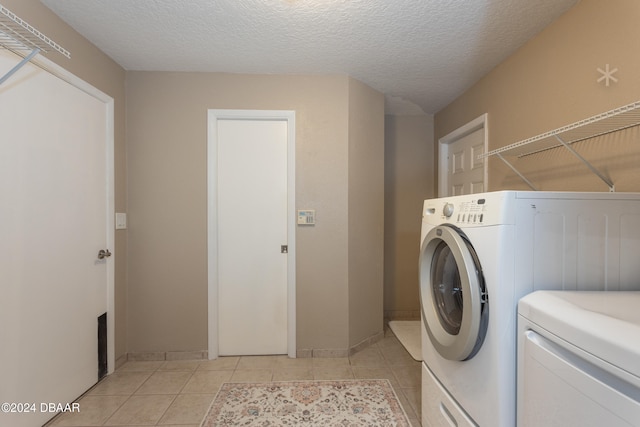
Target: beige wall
93,66
163,253
366,212
167,137
550,83
409,180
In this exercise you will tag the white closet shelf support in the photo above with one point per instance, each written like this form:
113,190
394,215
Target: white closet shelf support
610,121
17,36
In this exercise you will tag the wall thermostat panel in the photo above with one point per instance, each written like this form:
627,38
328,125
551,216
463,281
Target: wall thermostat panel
306,217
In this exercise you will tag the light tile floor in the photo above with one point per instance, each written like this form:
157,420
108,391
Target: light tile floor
178,393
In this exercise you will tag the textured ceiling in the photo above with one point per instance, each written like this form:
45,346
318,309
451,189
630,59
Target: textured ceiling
421,54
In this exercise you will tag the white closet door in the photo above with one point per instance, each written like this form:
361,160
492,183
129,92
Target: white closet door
54,196
252,227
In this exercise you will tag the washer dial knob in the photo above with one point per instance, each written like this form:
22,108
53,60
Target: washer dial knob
447,210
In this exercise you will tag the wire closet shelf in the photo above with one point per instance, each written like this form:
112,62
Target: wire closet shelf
601,124
19,36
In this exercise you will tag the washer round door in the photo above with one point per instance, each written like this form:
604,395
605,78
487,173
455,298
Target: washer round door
453,296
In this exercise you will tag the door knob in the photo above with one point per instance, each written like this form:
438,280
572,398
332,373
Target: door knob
104,253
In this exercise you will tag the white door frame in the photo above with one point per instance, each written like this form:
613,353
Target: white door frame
443,150
212,220
80,84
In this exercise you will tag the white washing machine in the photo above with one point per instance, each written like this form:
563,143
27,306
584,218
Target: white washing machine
479,255
578,359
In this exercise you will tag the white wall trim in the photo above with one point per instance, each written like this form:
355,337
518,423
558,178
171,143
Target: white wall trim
443,149
212,220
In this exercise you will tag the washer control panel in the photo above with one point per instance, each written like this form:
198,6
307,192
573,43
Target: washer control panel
470,212
473,210
464,211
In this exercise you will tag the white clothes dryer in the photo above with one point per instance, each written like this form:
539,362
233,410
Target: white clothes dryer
479,255
578,358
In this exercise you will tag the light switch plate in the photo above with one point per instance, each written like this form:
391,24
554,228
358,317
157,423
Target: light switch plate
121,221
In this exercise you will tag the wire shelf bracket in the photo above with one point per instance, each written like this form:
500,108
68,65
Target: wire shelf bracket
18,36
602,124
513,168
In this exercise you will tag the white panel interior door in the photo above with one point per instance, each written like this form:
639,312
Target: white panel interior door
252,227
55,194
466,172
460,169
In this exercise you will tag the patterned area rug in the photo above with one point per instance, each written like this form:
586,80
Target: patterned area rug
346,403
